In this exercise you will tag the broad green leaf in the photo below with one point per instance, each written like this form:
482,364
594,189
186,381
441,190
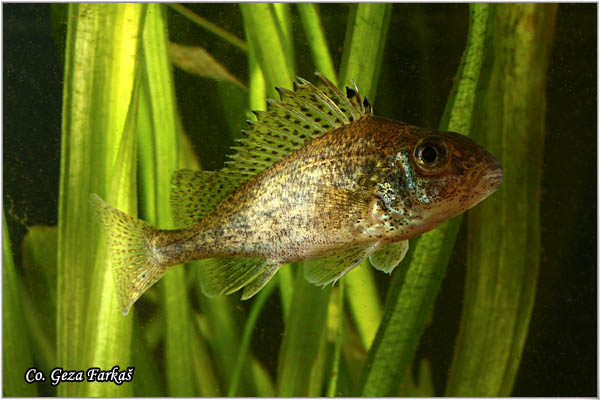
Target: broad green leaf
97,156
16,347
503,239
364,301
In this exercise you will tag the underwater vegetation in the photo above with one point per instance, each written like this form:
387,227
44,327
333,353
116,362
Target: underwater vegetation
127,125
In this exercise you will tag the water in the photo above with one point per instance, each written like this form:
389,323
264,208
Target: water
422,54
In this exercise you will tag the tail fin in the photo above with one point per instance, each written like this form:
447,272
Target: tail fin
135,266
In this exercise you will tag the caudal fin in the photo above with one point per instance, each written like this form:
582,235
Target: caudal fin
134,264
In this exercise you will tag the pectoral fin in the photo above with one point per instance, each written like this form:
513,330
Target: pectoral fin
332,266
219,276
389,256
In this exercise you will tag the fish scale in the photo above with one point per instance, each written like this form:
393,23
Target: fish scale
317,177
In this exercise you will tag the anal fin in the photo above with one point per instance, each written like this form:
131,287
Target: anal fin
261,280
221,276
389,256
331,266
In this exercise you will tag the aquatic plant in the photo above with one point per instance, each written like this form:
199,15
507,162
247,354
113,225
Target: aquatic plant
122,138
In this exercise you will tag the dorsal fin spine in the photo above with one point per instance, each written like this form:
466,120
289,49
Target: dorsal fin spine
340,96
299,116
287,94
326,101
247,155
280,132
292,125
361,107
266,146
306,104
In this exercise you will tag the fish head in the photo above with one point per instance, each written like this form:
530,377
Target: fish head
433,176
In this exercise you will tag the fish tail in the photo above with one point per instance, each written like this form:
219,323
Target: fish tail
135,264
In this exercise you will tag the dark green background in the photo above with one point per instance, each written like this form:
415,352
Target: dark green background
423,50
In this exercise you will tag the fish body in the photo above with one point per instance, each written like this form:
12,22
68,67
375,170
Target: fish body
354,186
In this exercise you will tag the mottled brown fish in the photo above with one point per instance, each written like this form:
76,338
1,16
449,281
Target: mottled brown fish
316,178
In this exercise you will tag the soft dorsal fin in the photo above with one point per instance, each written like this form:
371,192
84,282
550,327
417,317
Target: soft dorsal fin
300,115
195,193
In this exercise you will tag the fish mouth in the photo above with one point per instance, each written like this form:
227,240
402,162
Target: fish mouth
488,181
494,178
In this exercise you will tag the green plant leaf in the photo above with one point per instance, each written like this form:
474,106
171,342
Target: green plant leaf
366,35
148,379
502,278
97,156
255,310
332,389
302,338
16,348
315,33
39,270
270,45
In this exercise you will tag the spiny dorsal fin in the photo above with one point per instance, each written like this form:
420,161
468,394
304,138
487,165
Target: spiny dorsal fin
195,193
300,115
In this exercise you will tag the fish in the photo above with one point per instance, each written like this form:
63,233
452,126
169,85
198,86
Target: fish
316,177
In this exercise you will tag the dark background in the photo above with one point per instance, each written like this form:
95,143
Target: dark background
423,50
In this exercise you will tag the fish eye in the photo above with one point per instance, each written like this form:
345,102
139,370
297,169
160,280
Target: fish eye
431,155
